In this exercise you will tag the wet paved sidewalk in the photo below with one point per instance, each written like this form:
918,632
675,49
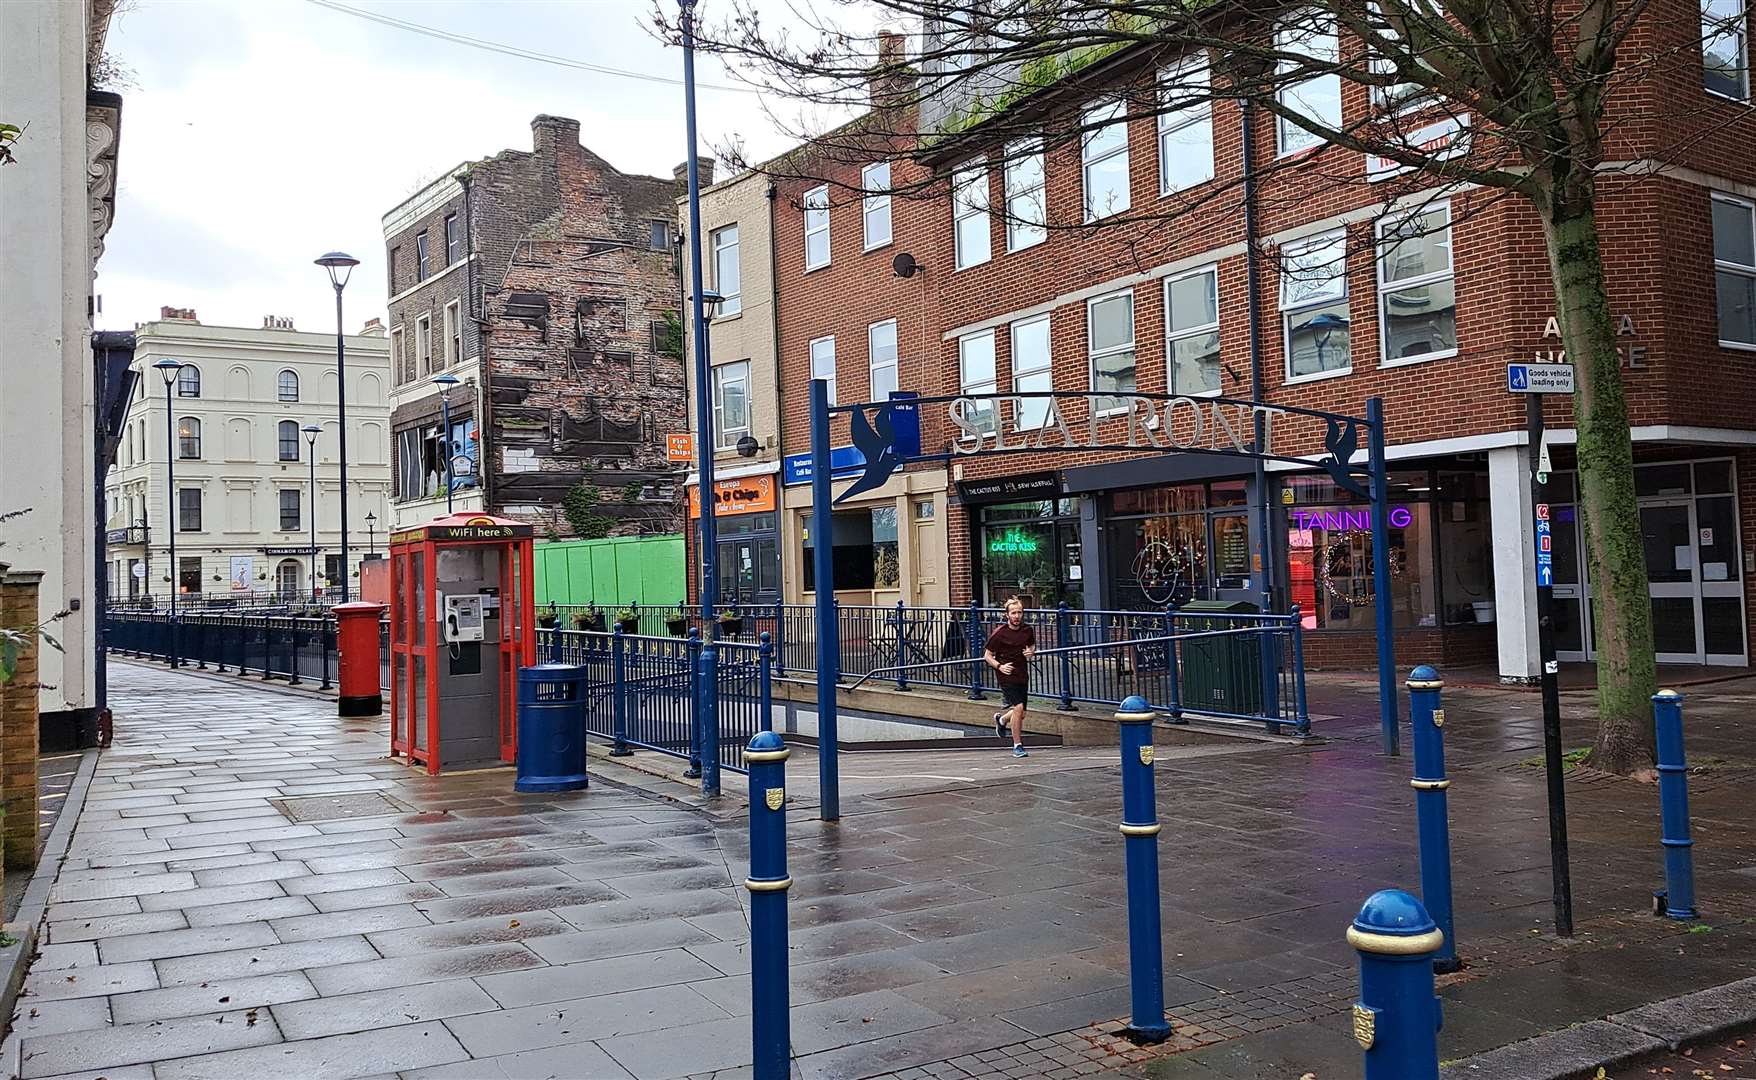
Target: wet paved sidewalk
254,889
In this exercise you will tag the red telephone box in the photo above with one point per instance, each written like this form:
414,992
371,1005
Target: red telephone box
462,623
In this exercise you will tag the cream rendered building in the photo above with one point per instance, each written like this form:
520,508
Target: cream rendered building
243,468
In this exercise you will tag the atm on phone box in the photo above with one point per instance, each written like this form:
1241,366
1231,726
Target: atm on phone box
462,623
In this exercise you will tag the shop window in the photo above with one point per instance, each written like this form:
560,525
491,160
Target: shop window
1031,550
816,205
1157,543
1027,216
875,206
864,549
1466,553
1309,34
975,366
1417,295
1192,331
1110,327
969,215
1314,308
1329,565
189,575
1185,129
1104,160
332,569
1031,363
1734,262
1725,48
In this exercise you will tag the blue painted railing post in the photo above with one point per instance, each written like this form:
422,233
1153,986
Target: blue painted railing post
1063,631
771,1038
1678,899
975,651
693,652
1302,718
765,684
325,644
780,639
901,646
1396,1021
1385,627
828,630
1174,667
710,713
1268,653
619,695
1427,719
1140,829
555,643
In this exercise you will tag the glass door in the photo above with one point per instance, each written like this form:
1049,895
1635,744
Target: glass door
1667,534
1572,603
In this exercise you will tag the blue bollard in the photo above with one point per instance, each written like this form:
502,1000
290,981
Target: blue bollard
1427,718
1140,829
1677,901
619,695
1396,1021
771,1040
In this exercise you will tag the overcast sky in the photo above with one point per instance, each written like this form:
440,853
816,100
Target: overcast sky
261,133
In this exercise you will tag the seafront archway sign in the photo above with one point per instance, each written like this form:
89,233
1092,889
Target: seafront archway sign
886,437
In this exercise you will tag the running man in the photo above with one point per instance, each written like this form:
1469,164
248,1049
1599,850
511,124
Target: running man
1008,652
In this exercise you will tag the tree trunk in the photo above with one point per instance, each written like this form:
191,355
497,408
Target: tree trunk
1609,516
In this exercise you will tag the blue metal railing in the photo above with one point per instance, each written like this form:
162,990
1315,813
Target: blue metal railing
295,648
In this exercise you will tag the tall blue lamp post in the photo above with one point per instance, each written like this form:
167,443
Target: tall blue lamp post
705,706
168,370
341,267
445,383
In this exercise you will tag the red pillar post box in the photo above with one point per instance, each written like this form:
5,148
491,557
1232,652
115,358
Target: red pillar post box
359,665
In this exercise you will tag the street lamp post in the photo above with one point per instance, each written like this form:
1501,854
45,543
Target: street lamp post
311,432
168,370
371,534
445,383
341,267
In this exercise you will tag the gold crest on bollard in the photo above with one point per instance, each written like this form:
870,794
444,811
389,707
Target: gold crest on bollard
1365,1026
1438,717
1146,754
775,798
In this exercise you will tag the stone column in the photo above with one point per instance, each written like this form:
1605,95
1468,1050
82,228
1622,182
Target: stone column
18,726
1515,600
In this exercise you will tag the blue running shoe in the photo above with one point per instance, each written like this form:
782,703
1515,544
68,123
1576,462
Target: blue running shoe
1019,751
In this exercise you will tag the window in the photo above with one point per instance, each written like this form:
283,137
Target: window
1312,35
188,509
332,568
1725,48
289,509
975,369
1030,371
875,207
1417,295
188,381
1026,209
969,214
1313,304
1110,325
731,404
399,368
188,438
189,575
287,435
286,578
1400,96
1192,332
823,363
420,458
424,345
453,240
817,227
1185,130
881,359
390,270
1734,263
421,256
287,386
453,332
659,236
863,549
727,278
1104,153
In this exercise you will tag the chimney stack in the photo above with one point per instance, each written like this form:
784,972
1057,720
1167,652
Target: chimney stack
891,79
178,314
373,328
277,322
550,134
703,167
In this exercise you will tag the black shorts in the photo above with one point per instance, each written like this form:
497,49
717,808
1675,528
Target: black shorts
1014,693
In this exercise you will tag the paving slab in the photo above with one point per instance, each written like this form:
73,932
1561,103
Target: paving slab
338,1057
130,1044
218,995
267,959
562,1022
380,1009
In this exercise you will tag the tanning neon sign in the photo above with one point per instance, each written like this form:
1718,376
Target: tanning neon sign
1401,517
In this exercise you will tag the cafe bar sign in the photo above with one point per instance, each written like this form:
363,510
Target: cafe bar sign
745,495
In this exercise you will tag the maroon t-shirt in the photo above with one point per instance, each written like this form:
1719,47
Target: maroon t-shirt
1008,647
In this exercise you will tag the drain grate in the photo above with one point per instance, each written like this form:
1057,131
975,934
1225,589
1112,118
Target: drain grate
337,807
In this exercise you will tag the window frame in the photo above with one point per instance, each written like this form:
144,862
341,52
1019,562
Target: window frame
298,509
183,505
1344,298
421,257
658,229
1020,372
1381,250
1032,231
423,345
1174,336
188,381
873,366
1281,127
1093,353
816,194
280,438
1118,111
721,375
1413,97
1743,49
985,414
453,241
811,354
280,386
1171,123
185,441
870,203
1727,266
971,178
732,302
453,328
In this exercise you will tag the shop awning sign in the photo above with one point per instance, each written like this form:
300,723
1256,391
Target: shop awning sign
1539,378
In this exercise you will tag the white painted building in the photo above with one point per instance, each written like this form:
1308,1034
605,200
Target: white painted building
56,200
243,504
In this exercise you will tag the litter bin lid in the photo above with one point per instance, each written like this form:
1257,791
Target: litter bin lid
549,671
1218,607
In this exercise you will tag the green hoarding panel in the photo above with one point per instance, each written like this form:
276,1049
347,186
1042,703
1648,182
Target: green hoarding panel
610,573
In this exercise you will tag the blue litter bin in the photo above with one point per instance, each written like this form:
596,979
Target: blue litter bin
551,728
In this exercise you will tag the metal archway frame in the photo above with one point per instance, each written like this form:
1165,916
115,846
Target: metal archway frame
1149,421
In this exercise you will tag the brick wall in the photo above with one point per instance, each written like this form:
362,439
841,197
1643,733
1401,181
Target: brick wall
18,726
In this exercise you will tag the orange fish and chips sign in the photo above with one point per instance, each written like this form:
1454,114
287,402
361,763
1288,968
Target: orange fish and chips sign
745,495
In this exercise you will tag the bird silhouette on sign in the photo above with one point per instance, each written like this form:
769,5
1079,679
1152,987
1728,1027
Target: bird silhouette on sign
877,444
1341,441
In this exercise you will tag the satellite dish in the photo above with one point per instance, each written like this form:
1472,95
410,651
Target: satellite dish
904,265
